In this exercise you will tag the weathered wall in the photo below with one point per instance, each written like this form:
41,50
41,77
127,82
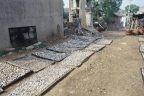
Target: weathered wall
44,14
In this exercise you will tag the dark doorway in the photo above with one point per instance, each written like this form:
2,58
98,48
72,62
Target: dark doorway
23,36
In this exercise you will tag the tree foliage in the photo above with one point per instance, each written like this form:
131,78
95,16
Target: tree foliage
105,8
133,8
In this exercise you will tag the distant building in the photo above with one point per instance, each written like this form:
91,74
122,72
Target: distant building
141,10
23,22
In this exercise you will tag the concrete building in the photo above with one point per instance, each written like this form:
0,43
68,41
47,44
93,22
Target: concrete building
45,15
141,10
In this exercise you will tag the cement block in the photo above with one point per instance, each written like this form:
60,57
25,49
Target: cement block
1,90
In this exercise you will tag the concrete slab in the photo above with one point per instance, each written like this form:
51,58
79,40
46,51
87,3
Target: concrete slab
42,81
141,48
141,39
103,41
94,47
76,59
64,49
31,63
50,55
10,73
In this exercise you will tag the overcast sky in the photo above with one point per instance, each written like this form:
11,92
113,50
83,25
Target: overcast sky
125,2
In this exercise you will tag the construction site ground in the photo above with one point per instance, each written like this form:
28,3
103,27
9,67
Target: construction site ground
114,71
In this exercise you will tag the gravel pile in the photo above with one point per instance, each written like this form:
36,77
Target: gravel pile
94,47
142,48
37,84
103,41
51,55
76,59
10,73
32,63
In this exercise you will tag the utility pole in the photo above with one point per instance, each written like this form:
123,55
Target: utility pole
129,12
129,8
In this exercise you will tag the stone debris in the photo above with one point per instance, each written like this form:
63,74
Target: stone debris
141,39
103,41
31,63
30,47
94,47
36,44
9,49
142,48
10,73
1,90
40,82
76,59
51,55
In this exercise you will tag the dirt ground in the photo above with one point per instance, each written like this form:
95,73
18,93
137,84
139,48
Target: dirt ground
114,71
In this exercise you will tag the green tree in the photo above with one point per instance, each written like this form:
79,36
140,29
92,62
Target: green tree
105,8
133,8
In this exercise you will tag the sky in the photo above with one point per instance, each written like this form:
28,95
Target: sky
125,3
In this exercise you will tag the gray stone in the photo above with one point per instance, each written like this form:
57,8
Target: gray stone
142,48
36,44
37,84
10,73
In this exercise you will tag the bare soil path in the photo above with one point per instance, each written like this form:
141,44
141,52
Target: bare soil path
114,71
